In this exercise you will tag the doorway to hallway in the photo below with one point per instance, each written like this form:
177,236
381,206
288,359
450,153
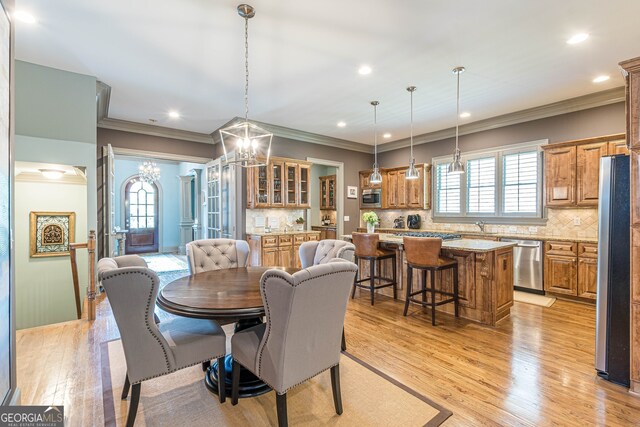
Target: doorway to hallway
141,216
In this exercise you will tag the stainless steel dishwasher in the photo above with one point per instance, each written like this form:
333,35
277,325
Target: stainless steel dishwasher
527,265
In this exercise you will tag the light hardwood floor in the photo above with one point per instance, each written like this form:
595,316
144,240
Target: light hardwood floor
534,369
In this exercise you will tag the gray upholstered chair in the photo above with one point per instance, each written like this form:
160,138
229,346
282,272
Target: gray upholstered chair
216,254
320,252
323,251
153,350
301,336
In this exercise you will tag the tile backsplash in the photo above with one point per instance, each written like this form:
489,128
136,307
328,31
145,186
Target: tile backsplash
568,223
281,216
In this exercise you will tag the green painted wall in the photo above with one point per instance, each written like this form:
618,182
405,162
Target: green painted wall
55,104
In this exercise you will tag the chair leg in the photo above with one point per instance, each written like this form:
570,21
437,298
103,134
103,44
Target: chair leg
355,280
408,284
456,301
222,392
205,365
372,280
127,386
433,297
424,285
395,278
235,383
133,405
281,405
335,387
344,342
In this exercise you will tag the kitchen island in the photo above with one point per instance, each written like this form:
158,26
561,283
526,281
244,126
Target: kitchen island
485,276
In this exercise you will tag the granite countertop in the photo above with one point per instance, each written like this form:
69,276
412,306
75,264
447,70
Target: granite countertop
325,226
472,245
500,235
280,233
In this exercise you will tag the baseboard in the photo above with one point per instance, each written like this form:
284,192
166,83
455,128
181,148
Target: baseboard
14,399
169,249
635,388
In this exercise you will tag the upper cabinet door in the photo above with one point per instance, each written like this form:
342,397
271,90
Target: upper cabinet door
588,172
415,190
305,176
560,176
277,183
261,184
392,186
618,147
291,183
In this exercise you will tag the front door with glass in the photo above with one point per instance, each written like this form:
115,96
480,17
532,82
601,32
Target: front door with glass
141,217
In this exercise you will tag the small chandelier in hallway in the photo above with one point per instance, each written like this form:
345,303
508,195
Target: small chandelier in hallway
149,172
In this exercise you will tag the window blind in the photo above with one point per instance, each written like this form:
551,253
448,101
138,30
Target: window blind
481,185
448,189
520,188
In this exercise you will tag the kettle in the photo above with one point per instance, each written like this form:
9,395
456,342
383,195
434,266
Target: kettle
413,221
398,222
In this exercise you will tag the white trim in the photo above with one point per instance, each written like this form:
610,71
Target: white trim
507,149
130,152
154,130
339,190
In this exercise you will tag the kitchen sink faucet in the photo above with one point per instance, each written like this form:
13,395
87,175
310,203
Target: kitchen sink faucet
480,224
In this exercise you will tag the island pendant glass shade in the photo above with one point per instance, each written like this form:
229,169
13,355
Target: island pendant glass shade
412,172
375,177
456,166
250,143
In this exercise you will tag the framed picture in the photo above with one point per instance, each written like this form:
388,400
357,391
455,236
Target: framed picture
352,192
51,232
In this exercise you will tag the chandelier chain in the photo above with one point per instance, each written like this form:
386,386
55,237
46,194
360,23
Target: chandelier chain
246,68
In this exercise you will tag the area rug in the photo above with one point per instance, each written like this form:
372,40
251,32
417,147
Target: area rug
161,263
534,299
369,397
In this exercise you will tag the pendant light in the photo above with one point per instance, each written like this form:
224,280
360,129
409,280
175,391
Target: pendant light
456,165
252,143
375,177
149,172
412,172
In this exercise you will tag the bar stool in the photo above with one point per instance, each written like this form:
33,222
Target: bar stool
367,249
423,253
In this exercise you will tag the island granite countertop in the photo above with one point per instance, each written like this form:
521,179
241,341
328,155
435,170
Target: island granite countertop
280,233
471,245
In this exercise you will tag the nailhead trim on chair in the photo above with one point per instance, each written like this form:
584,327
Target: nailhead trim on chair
267,310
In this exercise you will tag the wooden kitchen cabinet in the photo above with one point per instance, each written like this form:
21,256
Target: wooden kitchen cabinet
277,250
328,192
560,176
572,170
571,269
560,275
587,277
365,184
588,172
283,183
399,192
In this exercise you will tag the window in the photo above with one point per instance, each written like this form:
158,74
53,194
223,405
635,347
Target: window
505,183
141,198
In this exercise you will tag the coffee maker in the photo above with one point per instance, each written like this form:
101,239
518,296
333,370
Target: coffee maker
398,222
413,221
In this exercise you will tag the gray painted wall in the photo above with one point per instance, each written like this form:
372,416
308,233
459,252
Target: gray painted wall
598,121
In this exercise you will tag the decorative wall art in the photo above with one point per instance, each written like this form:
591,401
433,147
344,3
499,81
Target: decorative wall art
352,192
51,232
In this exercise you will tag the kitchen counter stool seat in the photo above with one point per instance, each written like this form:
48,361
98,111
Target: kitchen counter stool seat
367,249
423,253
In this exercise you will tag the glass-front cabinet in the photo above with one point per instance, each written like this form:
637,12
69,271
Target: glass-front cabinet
328,192
305,175
261,174
291,171
213,201
277,185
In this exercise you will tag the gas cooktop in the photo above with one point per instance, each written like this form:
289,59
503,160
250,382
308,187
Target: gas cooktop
443,236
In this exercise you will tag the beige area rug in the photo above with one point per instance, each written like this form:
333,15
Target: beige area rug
534,299
369,397
162,263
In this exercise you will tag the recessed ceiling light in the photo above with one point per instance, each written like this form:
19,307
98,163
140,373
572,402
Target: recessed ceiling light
174,114
23,16
386,136
578,38
51,173
600,79
341,124
364,70
465,115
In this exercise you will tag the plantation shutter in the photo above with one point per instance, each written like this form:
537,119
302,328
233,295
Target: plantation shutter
447,190
481,185
520,188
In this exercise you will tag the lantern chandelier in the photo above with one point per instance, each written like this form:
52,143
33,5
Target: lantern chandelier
251,143
375,177
149,172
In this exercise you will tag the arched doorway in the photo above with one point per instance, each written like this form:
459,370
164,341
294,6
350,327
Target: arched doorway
141,216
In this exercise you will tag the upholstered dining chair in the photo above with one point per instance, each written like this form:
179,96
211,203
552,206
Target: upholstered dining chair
320,252
153,350
301,336
216,254
323,251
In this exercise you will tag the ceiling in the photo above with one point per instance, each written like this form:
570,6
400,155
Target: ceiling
304,57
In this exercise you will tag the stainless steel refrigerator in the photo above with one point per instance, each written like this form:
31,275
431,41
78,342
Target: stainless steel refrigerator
613,304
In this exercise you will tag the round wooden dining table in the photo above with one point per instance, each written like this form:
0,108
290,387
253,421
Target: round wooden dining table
226,296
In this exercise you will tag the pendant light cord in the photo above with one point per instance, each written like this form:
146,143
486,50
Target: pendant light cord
457,108
375,134
411,92
246,69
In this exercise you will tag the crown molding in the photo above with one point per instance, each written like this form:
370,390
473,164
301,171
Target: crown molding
598,99
146,129
103,98
38,177
300,135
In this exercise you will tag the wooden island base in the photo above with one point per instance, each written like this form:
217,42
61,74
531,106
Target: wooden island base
485,277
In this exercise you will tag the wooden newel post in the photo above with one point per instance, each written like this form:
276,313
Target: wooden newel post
91,291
